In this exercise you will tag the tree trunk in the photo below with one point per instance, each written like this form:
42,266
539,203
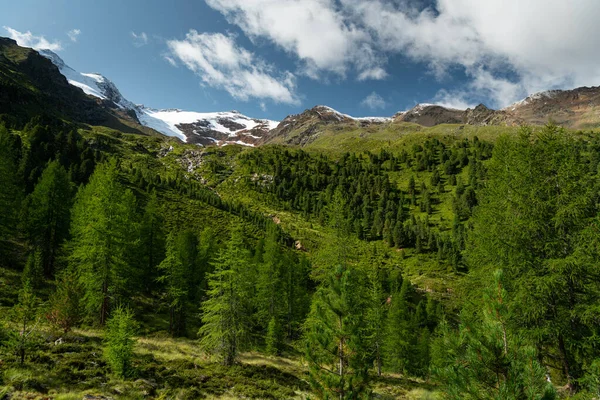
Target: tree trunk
565,362
104,308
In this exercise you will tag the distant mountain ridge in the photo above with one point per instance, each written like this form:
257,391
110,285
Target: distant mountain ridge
193,127
31,84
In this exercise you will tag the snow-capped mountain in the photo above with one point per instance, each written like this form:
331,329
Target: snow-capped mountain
201,128
206,128
91,83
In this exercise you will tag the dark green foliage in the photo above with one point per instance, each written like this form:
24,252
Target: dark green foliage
375,208
12,188
537,220
104,228
334,334
375,312
152,242
273,339
486,360
119,341
176,272
270,295
399,343
225,314
33,271
48,214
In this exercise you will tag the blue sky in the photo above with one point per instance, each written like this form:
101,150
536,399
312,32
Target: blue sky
272,58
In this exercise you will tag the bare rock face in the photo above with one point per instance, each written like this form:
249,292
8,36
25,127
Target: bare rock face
301,129
431,115
578,108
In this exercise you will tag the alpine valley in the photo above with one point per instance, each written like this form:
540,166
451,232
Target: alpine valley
151,253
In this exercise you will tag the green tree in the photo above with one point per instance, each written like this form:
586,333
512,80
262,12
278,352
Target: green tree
152,241
175,277
398,345
334,334
48,214
26,316
486,360
273,339
104,228
225,314
119,341
270,299
375,312
64,308
535,219
33,271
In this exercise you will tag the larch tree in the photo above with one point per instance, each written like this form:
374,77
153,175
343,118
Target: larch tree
335,339
225,313
48,214
534,220
103,230
174,276
485,359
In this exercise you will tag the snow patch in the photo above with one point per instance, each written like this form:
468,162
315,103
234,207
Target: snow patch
547,94
341,116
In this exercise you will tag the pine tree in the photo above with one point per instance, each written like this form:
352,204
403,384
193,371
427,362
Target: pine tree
375,312
119,341
33,271
225,314
335,343
485,360
103,232
269,294
534,220
175,277
48,214
398,341
152,241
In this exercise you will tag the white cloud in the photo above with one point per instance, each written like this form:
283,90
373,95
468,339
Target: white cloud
373,101
28,39
313,30
170,60
507,48
220,63
73,34
140,39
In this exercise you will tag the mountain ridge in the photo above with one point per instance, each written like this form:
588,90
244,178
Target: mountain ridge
577,108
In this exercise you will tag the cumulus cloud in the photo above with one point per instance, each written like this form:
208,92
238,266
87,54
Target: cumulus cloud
73,34
28,39
373,101
508,48
313,30
140,39
221,63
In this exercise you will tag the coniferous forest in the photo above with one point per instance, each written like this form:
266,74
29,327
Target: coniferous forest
455,268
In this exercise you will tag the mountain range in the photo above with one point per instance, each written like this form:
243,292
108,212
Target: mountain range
93,98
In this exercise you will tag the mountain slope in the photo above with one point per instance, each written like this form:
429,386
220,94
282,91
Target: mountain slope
206,128
304,128
193,127
577,108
